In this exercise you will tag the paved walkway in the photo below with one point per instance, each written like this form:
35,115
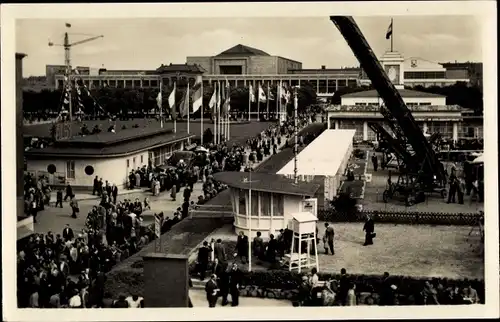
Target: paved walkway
199,299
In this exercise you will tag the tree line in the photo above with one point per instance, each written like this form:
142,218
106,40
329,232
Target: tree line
120,101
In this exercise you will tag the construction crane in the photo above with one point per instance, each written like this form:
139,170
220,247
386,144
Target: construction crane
67,59
423,170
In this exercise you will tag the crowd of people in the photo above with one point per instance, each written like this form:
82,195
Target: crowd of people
343,292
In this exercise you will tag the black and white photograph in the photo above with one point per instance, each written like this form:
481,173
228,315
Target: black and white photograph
200,157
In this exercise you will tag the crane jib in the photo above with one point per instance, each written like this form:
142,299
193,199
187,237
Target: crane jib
394,103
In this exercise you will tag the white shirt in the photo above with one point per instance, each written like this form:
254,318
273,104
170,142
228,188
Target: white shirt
314,280
75,301
134,304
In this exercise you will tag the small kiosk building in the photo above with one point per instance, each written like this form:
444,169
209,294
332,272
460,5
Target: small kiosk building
264,202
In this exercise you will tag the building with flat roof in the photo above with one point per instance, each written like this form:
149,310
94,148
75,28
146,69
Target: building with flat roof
429,110
323,162
243,65
77,160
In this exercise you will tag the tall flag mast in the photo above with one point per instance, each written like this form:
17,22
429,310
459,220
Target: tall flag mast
388,34
198,101
171,103
159,102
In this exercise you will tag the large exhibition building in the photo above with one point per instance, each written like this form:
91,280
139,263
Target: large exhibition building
242,64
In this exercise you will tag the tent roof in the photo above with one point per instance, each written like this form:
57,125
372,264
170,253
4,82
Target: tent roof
323,156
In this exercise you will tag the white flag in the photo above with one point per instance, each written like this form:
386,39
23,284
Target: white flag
198,94
213,100
252,93
171,99
262,94
159,100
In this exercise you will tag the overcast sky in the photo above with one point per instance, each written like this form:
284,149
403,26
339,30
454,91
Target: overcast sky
147,43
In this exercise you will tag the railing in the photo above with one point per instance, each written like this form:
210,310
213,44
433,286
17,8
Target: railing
400,217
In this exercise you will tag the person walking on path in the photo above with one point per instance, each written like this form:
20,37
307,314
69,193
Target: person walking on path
369,229
329,235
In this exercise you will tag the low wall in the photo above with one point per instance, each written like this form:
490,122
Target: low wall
413,218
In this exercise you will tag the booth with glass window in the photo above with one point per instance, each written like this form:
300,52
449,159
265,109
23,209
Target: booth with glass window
264,202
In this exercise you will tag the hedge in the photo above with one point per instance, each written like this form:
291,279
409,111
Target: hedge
279,281
400,217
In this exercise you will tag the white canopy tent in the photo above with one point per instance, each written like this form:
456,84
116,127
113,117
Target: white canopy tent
323,156
328,156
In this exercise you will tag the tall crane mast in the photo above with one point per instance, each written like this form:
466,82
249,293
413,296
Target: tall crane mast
397,114
67,60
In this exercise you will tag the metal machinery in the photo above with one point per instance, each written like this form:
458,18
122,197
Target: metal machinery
420,171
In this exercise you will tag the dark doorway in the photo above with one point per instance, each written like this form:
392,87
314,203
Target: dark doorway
231,70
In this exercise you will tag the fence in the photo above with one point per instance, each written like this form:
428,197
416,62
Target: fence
414,218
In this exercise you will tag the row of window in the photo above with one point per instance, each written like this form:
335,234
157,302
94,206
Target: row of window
134,164
464,130
424,75
262,204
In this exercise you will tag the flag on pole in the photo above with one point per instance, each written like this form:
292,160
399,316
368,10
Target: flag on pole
197,95
270,96
218,97
185,104
252,93
171,102
159,100
225,107
282,91
262,94
213,100
388,34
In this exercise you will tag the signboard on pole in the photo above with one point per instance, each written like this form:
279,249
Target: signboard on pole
310,205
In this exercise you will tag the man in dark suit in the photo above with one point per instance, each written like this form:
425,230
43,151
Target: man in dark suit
234,284
219,251
69,192
329,235
343,287
203,259
369,229
95,187
212,290
217,268
68,233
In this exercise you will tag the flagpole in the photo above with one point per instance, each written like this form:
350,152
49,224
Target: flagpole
258,101
173,111
250,222
268,97
228,107
218,114
214,114
392,34
187,108
201,113
160,104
